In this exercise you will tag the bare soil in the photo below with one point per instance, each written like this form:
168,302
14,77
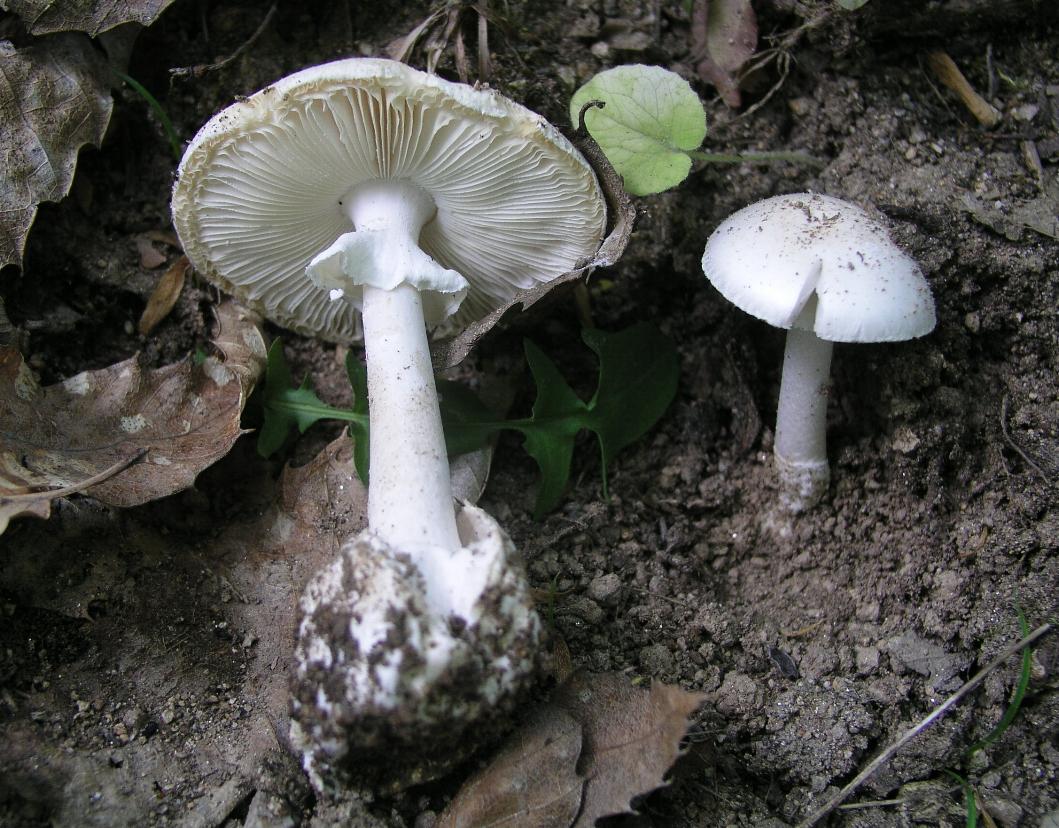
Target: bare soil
143,652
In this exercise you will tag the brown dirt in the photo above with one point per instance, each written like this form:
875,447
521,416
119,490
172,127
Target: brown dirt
141,657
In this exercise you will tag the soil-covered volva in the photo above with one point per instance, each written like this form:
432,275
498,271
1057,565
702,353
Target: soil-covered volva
145,652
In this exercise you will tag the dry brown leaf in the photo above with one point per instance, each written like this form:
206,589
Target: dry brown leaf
165,295
325,496
54,99
1041,214
531,783
723,39
596,745
631,737
92,16
83,434
150,256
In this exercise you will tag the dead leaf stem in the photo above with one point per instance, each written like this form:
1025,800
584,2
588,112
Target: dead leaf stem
946,71
88,482
1015,446
201,69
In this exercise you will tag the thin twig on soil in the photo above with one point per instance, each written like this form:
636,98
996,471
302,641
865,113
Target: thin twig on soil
884,757
1015,446
675,602
201,69
875,803
106,474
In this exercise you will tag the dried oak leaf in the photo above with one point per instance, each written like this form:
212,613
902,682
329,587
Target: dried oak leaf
53,100
631,737
533,781
164,296
94,16
124,434
599,743
723,39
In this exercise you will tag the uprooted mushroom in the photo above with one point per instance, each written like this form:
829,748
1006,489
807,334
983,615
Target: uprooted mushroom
366,186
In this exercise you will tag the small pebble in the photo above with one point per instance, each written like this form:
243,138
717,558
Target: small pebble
605,589
656,659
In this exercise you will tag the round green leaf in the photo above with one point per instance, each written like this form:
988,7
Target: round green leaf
651,119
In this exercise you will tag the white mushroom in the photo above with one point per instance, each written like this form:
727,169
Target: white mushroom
364,185
826,271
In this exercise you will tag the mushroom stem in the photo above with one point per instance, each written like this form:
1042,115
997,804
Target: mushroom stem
410,503
407,441
801,421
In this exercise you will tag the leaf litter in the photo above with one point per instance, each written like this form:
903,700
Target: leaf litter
153,429
47,16
55,99
164,296
599,743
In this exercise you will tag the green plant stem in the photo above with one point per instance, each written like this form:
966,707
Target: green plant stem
970,807
918,728
1016,700
152,101
320,411
755,158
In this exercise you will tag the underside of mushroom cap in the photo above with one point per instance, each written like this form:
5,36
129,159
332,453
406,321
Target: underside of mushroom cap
774,257
260,187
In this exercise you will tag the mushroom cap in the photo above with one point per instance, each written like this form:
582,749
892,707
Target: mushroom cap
773,258
259,188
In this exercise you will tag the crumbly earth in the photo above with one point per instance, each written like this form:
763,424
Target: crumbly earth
143,653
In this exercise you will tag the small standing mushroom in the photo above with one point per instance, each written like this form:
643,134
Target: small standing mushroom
827,272
366,186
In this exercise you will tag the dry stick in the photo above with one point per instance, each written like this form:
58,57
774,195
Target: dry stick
202,68
1014,445
914,731
106,474
485,60
946,71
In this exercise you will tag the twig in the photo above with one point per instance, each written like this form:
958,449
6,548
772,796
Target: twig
201,69
485,60
106,474
875,803
1015,446
914,731
946,71
675,602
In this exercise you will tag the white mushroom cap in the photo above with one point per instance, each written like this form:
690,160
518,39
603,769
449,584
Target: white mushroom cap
259,188
772,258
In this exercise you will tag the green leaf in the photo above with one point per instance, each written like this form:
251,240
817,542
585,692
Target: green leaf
358,429
638,373
467,421
851,5
650,121
558,415
287,407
